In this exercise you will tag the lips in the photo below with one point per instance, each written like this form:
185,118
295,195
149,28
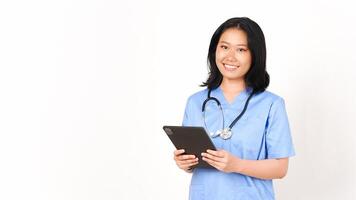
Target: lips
230,67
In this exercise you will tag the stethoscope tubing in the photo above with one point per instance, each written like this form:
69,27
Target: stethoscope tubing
209,98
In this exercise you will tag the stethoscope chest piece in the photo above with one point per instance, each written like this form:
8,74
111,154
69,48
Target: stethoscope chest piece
224,134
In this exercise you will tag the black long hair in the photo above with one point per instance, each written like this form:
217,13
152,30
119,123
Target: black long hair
257,77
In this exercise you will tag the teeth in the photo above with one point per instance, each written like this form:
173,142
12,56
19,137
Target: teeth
230,66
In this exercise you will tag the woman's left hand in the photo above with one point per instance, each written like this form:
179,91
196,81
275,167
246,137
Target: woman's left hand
222,160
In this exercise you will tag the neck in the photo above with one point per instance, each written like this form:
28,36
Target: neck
232,86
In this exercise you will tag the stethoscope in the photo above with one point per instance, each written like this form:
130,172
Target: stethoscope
224,133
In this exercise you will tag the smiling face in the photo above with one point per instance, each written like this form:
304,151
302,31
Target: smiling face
233,56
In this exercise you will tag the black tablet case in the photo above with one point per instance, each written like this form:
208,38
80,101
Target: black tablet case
194,140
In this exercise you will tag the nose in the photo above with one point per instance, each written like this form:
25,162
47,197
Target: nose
231,56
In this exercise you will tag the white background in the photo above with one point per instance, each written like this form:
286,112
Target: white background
85,87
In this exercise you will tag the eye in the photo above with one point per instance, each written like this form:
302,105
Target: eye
241,50
223,47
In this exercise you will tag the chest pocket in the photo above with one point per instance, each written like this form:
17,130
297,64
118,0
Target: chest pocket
248,136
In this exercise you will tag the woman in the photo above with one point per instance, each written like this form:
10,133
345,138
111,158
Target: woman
250,130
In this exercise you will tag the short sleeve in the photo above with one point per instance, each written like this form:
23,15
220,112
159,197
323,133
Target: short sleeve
186,114
278,135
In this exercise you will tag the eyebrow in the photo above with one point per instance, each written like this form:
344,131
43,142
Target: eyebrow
236,45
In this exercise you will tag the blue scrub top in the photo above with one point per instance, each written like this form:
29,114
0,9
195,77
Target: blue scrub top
262,133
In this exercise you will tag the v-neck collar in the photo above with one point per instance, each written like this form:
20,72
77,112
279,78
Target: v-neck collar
241,97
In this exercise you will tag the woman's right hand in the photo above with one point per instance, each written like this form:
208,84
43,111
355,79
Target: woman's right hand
185,162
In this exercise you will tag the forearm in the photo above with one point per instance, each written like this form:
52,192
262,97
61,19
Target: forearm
263,169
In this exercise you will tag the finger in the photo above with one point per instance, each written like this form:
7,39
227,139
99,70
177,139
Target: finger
212,163
187,161
219,153
213,157
186,157
178,152
188,166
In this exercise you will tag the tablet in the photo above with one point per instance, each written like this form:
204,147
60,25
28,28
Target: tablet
194,140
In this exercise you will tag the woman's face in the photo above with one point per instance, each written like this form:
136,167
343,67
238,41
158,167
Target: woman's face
233,57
